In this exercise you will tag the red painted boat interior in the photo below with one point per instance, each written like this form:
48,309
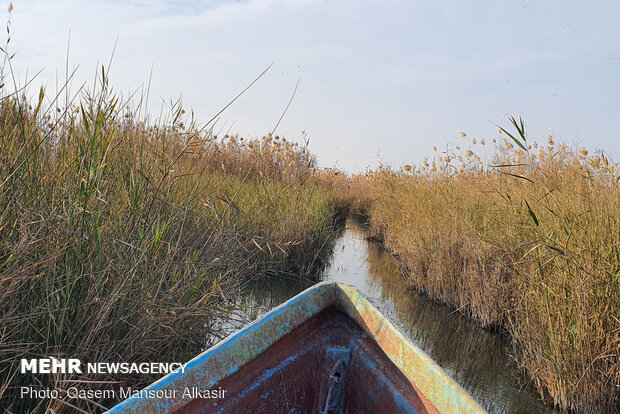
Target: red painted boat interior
293,375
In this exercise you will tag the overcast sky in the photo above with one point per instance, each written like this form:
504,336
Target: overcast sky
380,80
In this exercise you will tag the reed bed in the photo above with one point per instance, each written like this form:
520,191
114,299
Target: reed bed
522,237
123,240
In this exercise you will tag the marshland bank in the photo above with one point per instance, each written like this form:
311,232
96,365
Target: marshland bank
123,240
524,238
476,358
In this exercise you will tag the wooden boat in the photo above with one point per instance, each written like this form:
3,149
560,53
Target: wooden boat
328,350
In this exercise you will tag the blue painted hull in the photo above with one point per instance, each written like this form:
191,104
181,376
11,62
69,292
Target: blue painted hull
327,350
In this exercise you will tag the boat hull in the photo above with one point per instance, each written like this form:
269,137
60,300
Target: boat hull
326,350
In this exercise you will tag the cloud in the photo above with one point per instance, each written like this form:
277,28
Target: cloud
396,76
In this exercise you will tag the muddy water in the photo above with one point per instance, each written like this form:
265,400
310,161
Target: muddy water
475,358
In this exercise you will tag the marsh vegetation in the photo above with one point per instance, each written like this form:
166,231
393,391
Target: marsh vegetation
523,237
124,239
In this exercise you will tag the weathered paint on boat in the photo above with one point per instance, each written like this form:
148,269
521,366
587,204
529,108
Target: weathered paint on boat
281,363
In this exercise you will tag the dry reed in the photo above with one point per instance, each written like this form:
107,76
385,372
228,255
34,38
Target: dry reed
123,240
525,237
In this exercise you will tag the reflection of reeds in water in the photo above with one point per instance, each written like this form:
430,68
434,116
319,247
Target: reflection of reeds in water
474,357
257,296
251,301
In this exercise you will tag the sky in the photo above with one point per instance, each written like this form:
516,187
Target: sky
379,81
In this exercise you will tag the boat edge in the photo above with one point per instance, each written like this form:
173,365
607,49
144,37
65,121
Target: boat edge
227,356
445,394
235,350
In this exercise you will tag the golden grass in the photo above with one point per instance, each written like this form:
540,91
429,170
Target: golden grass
531,245
123,241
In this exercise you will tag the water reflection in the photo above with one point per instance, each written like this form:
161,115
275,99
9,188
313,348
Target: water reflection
253,299
477,359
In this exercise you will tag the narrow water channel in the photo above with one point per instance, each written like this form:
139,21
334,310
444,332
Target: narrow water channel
475,358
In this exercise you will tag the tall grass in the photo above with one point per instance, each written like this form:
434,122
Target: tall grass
122,239
521,236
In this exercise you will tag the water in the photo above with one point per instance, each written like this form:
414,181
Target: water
475,358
